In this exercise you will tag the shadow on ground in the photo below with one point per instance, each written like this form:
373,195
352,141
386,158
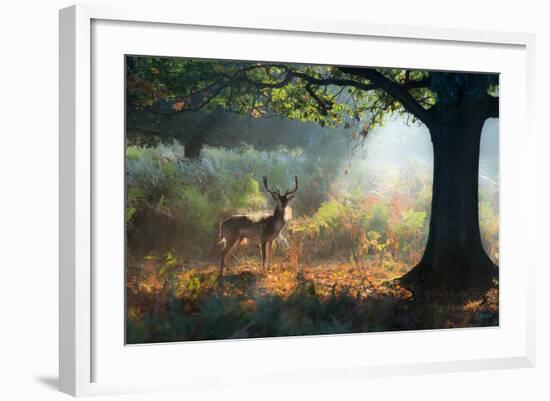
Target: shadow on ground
196,304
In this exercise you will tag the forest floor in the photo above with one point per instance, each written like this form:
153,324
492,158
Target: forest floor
172,301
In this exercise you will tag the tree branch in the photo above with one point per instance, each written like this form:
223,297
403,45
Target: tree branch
260,85
198,107
376,81
320,102
397,91
332,81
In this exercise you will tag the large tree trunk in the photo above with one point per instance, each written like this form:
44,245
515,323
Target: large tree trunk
454,256
192,148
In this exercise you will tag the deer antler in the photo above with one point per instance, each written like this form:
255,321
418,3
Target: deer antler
295,187
273,193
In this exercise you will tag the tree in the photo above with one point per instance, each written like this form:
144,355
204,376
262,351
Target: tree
229,130
453,106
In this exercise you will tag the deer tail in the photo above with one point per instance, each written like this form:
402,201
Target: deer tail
220,233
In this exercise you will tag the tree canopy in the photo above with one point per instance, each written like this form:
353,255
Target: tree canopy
332,96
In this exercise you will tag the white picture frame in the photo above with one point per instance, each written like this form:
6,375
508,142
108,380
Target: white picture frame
79,221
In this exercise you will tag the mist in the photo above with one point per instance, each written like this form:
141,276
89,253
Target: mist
397,144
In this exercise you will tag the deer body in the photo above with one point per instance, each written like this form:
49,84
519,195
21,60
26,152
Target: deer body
264,229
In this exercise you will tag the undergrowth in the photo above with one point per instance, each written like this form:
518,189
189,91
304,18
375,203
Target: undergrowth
181,302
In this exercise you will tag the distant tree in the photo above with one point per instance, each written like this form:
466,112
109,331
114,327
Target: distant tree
453,106
230,130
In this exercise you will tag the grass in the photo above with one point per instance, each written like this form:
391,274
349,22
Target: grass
168,300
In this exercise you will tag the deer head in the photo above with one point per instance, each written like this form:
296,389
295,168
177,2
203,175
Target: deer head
282,200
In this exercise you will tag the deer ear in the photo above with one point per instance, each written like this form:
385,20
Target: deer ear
290,197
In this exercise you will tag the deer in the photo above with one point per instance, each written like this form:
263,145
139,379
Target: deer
264,229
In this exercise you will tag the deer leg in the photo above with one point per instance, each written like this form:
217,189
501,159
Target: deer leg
264,251
269,253
222,261
230,241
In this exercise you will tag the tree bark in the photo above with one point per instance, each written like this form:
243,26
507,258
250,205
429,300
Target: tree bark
193,147
454,256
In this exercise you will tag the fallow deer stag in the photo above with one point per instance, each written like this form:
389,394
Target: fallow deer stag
264,229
